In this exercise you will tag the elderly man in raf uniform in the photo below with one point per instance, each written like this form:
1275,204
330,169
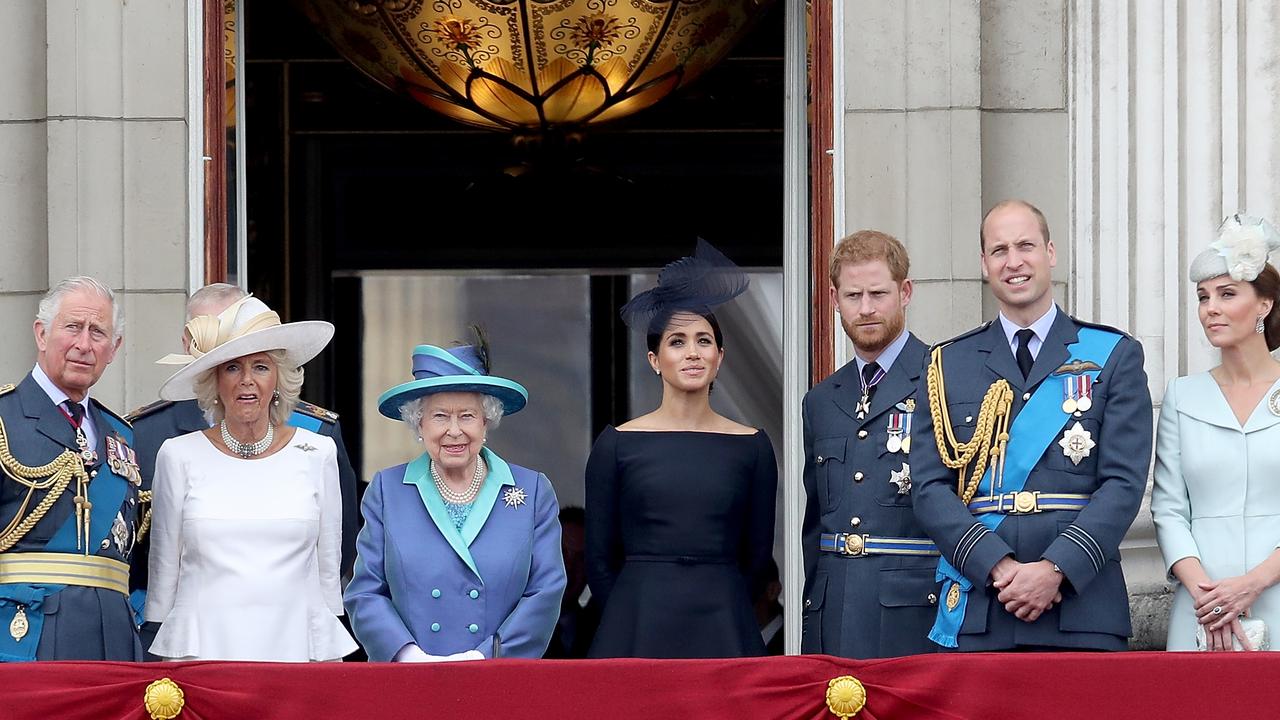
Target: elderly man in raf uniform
1031,453
159,421
69,491
869,569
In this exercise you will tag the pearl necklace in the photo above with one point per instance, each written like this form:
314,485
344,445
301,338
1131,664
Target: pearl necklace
465,497
247,450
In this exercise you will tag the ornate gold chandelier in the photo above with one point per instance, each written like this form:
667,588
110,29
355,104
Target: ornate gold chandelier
533,65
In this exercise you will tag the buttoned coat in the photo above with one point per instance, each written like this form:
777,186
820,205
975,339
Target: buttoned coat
80,623
1216,495
495,586
1084,544
876,605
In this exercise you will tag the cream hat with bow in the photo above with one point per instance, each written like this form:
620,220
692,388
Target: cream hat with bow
248,326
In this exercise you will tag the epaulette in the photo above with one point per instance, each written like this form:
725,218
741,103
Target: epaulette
962,336
316,412
145,410
112,413
7,388
1100,326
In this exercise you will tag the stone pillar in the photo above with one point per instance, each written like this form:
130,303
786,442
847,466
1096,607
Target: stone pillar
94,172
1174,110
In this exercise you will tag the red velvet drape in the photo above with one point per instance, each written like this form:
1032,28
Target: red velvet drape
1008,687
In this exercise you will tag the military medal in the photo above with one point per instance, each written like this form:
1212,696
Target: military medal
19,626
901,478
1077,392
894,443
120,533
864,403
1076,443
122,460
953,597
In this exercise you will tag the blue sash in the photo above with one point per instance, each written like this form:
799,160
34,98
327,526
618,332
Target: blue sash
1032,432
107,492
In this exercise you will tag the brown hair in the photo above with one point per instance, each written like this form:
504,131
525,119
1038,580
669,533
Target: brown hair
866,246
1267,285
1044,224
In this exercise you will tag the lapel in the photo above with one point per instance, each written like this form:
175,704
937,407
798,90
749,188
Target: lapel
847,389
1053,351
190,417
104,429
900,382
999,357
418,473
49,420
499,477
1199,397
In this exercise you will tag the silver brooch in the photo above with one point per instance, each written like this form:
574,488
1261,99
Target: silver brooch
305,447
120,533
1273,403
513,497
901,478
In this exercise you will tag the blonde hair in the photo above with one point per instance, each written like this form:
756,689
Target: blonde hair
288,385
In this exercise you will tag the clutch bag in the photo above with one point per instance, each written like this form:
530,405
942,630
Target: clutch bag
1255,629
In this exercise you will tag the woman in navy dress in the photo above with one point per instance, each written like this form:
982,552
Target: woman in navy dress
680,502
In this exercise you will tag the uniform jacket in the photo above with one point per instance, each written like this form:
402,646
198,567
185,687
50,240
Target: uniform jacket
1216,495
495,586
1084,544
79,623
877,605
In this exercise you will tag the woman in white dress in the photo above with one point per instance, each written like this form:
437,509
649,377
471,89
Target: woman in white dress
1216,501
246,519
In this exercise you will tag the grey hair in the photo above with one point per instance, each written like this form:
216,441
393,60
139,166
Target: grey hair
51,303
213,294
411,412
288,384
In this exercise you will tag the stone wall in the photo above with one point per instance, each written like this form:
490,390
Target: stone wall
94,173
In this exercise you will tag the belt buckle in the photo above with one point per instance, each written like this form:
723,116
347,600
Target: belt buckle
855,545
1022,503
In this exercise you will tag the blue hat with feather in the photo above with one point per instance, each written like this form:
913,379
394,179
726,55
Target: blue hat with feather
456,369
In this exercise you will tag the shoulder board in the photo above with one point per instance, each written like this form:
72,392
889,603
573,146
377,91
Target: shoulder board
962,336
112,413
1100,326
145,410
316,412
7,388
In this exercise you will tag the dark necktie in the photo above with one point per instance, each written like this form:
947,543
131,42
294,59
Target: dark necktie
1024,351
869,379
75,411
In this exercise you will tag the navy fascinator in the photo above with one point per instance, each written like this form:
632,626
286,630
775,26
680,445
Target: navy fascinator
695,284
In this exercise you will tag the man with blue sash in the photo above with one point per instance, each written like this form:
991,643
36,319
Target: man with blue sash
869,569
69,492
1032,449
164,419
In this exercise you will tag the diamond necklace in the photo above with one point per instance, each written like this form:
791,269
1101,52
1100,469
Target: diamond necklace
453,497
247,450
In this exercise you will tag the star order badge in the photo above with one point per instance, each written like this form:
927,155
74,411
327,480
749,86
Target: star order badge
901,478
1076,443
513,497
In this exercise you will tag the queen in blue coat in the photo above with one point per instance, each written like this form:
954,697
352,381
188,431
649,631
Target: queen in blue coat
459,558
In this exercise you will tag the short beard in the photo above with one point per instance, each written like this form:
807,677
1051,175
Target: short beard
893,325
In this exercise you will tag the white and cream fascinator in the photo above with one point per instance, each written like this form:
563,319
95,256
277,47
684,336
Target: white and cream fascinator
1241,250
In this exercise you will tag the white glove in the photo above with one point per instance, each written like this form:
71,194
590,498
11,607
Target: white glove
467,655
413,653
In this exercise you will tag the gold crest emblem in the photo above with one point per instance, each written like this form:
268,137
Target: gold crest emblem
163,699
953,597
845,696
19,626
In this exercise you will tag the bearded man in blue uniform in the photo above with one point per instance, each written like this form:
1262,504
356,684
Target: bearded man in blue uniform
1031,455
869,569
69,491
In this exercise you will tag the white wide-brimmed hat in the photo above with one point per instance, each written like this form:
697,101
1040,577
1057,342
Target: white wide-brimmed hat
248,326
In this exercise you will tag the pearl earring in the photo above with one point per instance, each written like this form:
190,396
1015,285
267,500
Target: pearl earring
276,397
419,438
656,371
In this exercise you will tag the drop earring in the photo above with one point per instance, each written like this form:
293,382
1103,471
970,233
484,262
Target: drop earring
656,371
1260,327
275,398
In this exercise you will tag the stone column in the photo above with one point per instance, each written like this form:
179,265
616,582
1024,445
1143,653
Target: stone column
94,172
1174,110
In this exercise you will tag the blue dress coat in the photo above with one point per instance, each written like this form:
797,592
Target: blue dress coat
494,586
876,605
1084,544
